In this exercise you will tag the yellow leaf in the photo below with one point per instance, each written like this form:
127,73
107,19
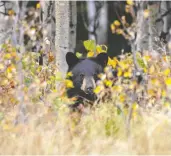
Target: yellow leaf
97,89
90,54
124,64
151,70
155,81
163,93
112,62
168,81
116,23
102,76
145,70
54,90
13,100
1,66
134,106
130,2
69,84
119,73
50,57
134,114
166,72
4,82
167,104
69,74
146,13
9,75
6,127
147,57
10,12
151,92
122,98
112,27
11,68
125,111
132,85
108,83
117,88
37,81
38,6
100,49
119,31
127,74
25,89
13,54
7,56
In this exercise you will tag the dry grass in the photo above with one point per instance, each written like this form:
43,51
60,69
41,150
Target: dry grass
101,131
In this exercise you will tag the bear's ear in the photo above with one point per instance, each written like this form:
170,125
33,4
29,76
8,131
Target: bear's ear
71,59
102,59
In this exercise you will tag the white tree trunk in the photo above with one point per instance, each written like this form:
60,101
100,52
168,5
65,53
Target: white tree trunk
73,26
103,23
62,33
91,15
65,39
154,10
6,23
142,30
166,23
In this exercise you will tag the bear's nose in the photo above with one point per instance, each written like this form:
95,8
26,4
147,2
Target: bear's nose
89,90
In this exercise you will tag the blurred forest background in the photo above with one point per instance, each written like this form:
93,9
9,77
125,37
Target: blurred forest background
67,24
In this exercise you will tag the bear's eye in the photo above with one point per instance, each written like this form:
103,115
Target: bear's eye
81,76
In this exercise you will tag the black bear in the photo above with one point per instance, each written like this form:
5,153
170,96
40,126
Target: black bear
85,73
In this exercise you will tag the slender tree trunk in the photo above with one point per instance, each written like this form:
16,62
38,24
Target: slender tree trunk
165,28
91,18
19,40
6,23
73,26
142,29
103,25
65,32
153,12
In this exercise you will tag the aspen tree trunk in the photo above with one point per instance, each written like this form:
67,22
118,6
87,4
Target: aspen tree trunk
142,29
19,40
62,33
91,15
6,23
103,25
73,25
166,23
65,32
153,12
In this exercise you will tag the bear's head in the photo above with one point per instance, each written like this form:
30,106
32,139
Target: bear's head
85,71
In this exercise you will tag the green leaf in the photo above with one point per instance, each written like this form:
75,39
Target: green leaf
119,111
27,81
1,115
58,76
78,54
140,61
90,45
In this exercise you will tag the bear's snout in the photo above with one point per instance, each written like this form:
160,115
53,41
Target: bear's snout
88,85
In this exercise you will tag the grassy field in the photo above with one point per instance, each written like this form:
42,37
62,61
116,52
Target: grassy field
135,121
98,131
